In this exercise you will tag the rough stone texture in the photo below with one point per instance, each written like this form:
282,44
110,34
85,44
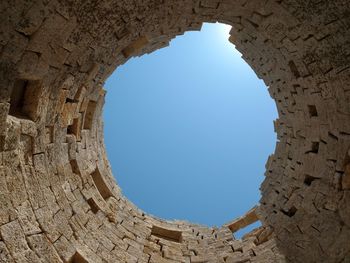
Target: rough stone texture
58,199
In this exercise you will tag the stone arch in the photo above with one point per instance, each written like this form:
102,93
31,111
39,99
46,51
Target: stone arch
59,201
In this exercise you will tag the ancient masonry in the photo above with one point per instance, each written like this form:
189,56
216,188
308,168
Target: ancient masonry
58,199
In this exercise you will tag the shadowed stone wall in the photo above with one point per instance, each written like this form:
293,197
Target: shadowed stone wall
58,199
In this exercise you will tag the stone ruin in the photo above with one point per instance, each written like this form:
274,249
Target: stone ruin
58,199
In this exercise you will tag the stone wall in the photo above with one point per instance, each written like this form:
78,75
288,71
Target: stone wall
58,199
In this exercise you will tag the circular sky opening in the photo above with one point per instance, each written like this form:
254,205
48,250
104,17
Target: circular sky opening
189,128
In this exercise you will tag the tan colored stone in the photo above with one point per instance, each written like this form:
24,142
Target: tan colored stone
58,199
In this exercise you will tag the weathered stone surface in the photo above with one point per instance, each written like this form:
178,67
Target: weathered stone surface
58,199
249,218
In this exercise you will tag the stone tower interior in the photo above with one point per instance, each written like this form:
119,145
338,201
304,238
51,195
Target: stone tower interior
58,199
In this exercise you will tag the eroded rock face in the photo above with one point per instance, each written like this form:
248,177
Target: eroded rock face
58,199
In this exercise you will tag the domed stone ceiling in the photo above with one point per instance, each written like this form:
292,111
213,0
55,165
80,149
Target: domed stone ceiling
58,199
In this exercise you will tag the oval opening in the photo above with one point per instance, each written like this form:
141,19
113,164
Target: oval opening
189,128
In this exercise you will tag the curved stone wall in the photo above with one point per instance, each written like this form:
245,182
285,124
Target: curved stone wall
58,199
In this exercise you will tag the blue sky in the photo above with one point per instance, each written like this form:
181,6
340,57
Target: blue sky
188,129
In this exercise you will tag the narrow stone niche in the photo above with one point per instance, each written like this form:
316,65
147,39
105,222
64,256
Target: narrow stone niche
93,205
171,235
101,185
25,99
89,114
74,128
312,110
